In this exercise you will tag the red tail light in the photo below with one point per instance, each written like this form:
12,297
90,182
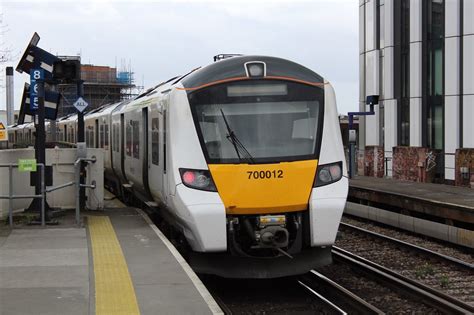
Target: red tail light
197,179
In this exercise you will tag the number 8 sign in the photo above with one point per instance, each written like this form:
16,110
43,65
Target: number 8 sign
35,75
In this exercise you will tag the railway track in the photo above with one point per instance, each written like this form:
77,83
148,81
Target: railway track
412,247
334,296
405,285
444,273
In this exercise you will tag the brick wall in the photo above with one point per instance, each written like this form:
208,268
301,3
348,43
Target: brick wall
412,164
464,158
374,164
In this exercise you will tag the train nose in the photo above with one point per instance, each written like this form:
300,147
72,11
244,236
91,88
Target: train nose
264,188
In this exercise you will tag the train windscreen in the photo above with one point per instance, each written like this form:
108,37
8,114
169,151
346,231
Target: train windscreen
258,121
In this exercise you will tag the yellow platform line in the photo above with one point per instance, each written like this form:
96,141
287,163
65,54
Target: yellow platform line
114,292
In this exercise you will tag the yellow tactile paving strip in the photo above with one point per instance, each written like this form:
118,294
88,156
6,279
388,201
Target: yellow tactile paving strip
114,292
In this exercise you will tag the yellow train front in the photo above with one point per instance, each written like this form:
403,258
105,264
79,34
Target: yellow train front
256,169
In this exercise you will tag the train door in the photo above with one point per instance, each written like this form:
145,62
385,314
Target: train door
164,133
122,145
65,138
144,153
154,155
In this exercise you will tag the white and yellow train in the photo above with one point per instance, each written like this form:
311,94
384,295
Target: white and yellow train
243,157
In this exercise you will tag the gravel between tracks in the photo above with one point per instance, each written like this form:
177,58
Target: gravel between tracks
270,296
444,276
373,292
420,240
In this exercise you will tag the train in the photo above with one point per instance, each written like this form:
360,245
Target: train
243,158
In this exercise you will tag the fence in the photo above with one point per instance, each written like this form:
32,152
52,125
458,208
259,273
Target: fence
45,190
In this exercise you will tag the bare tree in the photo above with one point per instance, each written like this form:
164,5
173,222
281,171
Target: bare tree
7,54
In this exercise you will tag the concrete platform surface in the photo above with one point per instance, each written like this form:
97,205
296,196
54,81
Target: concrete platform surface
458,196
119,263
444,201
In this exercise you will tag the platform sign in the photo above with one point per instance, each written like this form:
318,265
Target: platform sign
35,75
3,133
80,104
27,165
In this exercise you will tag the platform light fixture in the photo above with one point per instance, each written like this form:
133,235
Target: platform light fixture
67,70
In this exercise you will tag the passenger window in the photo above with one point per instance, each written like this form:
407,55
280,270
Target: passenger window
116,139
112,145
128,133
136,139
155,136
101,136
106,137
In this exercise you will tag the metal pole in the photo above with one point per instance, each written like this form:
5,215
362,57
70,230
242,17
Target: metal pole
80,138
40,153
352,160
43,196
10,95
10,194
78,189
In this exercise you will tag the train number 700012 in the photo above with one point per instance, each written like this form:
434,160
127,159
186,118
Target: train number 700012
265,174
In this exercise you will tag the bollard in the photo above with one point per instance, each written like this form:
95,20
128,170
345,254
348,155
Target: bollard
43,196
10,194
78,191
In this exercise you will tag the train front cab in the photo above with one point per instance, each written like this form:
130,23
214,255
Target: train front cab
260,144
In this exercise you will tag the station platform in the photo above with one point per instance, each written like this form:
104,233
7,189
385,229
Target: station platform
442,201
118,262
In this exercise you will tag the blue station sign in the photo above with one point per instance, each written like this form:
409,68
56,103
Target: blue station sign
35,76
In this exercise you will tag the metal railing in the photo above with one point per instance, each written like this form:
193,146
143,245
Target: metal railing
44,190
10,196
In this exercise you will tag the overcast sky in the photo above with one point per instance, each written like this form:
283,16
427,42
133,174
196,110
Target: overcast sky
162,39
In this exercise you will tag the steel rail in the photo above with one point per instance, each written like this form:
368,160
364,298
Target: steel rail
325,300
426,251
340,293
431,296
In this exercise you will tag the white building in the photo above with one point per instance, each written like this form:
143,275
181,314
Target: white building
418,56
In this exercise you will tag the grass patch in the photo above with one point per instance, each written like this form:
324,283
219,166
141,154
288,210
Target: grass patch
424,271
444,282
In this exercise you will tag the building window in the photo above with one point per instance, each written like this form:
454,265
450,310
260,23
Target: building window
155,141
402,69
435,75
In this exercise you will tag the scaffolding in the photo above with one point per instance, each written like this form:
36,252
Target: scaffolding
102,85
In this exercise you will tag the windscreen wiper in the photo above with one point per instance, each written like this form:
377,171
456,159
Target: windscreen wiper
238,146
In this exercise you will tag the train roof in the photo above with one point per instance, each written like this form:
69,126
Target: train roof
235,68
101,111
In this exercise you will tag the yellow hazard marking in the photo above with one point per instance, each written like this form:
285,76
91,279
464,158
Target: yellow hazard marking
2,127
264,188
114,292
3,135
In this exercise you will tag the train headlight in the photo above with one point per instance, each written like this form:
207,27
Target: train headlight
197,179
255,69
328,173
